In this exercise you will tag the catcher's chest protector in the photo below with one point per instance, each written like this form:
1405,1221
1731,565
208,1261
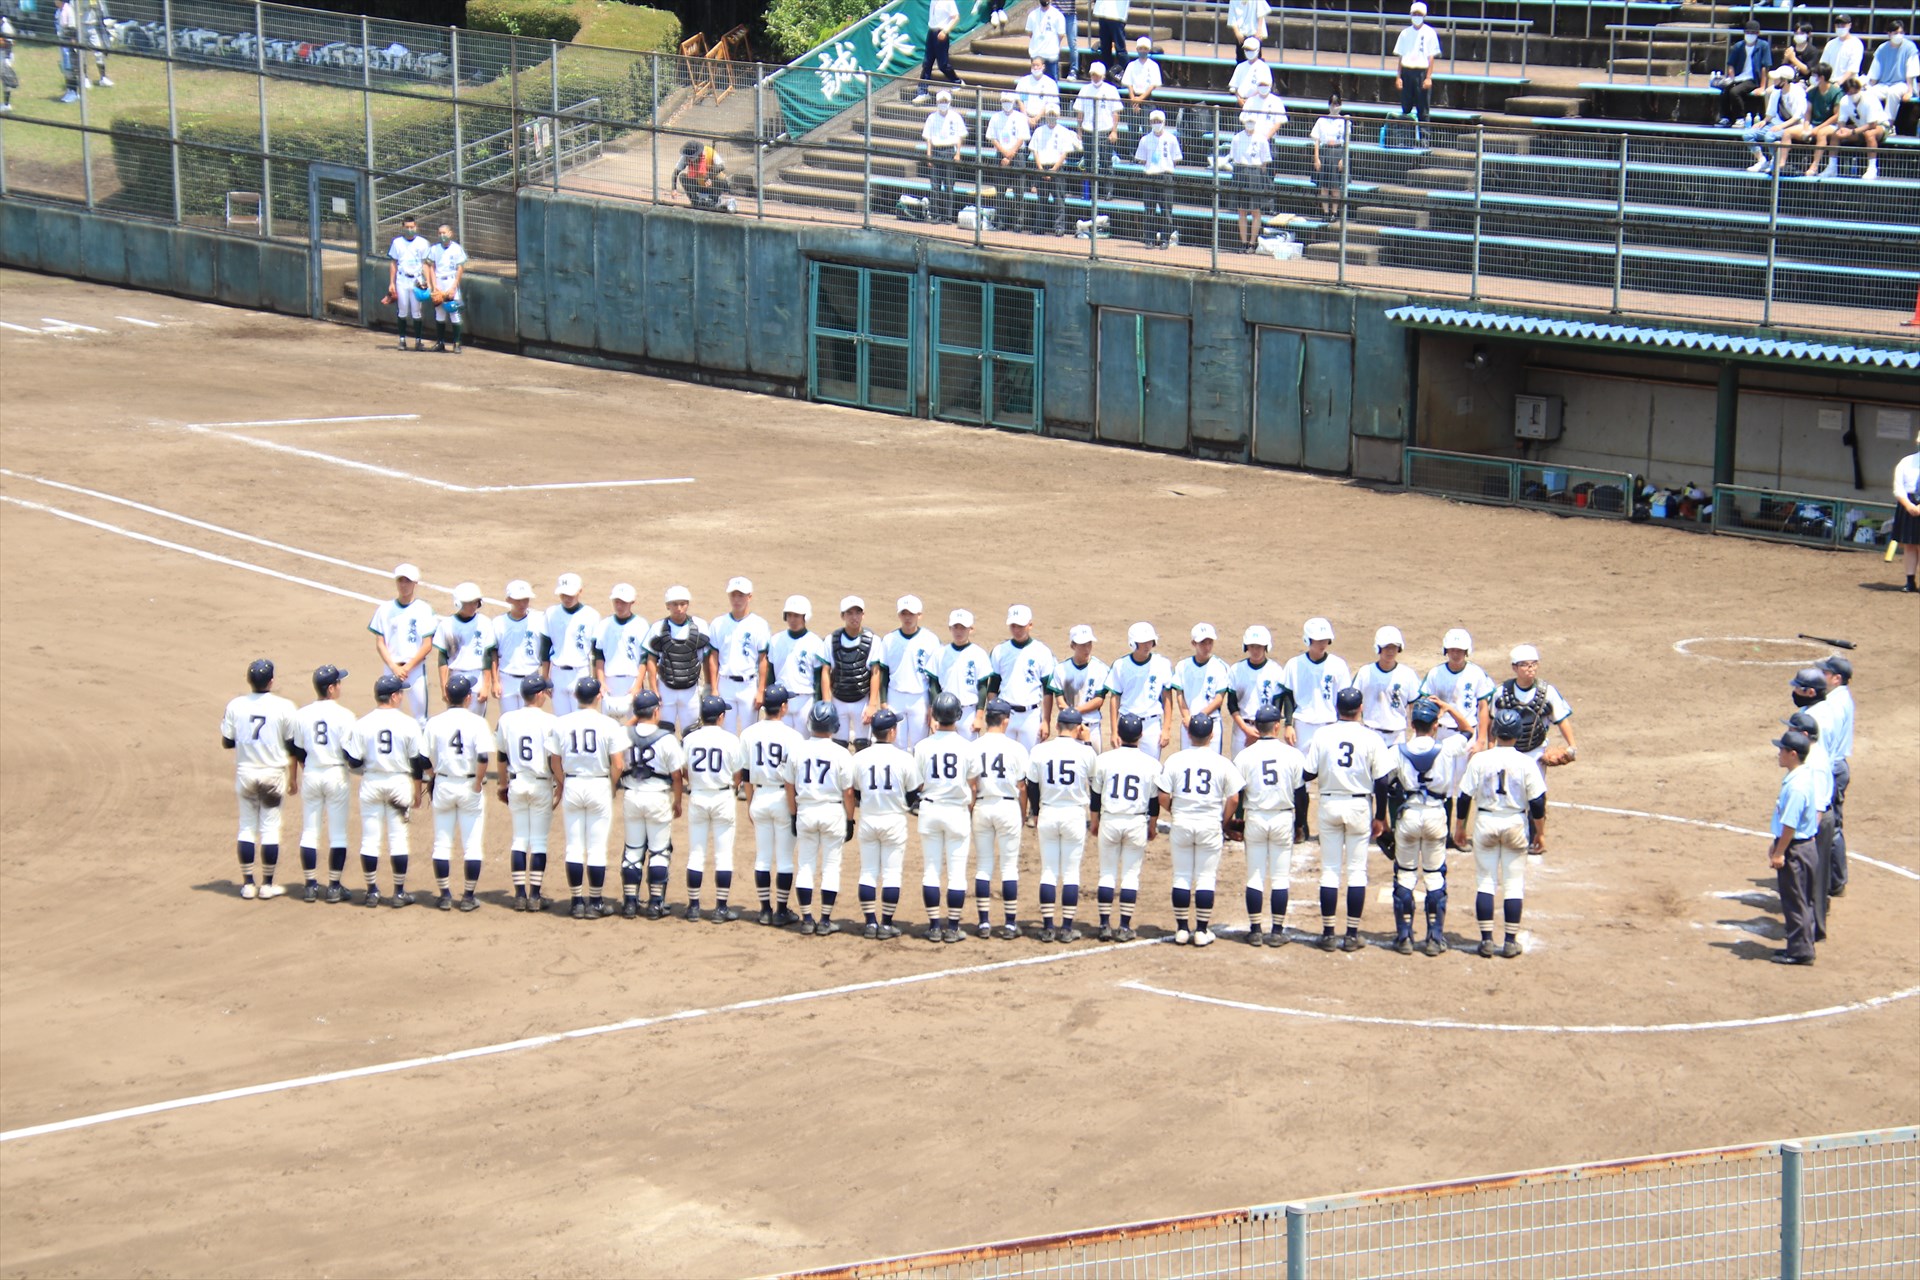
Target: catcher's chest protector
850,658
1533,712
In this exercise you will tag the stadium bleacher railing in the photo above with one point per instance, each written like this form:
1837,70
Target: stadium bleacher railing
213,97
1840,1205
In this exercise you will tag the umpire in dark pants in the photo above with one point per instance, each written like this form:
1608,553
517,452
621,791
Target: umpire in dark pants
1819,766
1792,855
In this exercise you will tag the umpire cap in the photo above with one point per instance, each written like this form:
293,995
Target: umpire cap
712,708
586,689
1838,666
1424,712
1804,723
1795,741
823,718
775,696
324,678
946,708
1130,726
532,687
260,673
458,687
1506,724
1811,679
1347,701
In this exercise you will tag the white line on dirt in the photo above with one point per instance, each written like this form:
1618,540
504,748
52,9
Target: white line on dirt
306,422
69,325
1680,646
559,1037
20,328
1852,854
192,551
145,324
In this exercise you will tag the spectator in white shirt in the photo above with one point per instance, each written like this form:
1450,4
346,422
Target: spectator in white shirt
942,17
1894,76
1112,17
1008,132
1786,106
1253,71
1415,51
1250,154
1140,79
1845,52
944,132
1037,91
1248,21
1050,146
1098,105
1158,153
1329,139
1861,120
1046,32
1268,112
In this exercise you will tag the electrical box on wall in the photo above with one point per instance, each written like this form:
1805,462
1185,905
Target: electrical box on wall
1537,417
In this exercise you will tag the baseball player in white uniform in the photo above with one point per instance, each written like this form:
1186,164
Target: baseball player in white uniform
949,771
886,784
320,777
1458,680
447,263
682,653
520,646
1311,679
385,749
714,765
1273,773
1125,802
1351,765
1059,789
795,659
903,665
585,757
571,627
1080,684
406,275
1425,766
963,671
999,814
459,756
1540,707
258,727
740,639
526,786
620,653
765,746
464,640
1506,788
850,673
1200,683
1202,785
1141,685
819,781
403,637
1023,679
1387,687
653,789
1254,682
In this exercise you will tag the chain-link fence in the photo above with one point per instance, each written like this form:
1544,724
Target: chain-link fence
1805,518
1512,482
1845,1205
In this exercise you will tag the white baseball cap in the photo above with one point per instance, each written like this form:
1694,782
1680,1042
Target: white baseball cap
1143,43
1388,636
1142,633
1523,653
743,585
519,589
1096,67
852,602
1082,634
1257,635
1019,616
623,592
1417,7
1457,639
1251,42
960,618
798,604
678,593
568,585
411,572
908,604
465,592
1316,629
1204,631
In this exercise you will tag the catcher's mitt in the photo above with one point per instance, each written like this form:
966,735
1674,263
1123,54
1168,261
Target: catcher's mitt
1557,755
1235,829
400,807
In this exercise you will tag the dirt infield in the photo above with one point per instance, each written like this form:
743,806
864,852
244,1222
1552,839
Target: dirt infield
927,1107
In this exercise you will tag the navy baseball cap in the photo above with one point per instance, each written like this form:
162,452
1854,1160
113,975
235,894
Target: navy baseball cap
884,719
1200,725
458,687
326,677
1268,714
388,685
1071,719
998,707
712,708
1809,678
1130,726
645,701
260,669
775,696
533,686
1838,666
823,717
1804,723
1795,741
1424,712
586,689
1347,700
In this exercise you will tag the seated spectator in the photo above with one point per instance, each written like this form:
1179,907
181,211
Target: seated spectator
1844,53
702,175
1799,51
1786,106
1895,73
1251,72
1037,91
1861,120
1823,109
1250,154
1140,79
1749,59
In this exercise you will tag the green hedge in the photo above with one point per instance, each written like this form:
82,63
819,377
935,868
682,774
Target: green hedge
795,26
535,19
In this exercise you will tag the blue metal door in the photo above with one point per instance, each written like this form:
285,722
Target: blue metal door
1143,382
1278,357
1326,401
986,365
860,337
1303,399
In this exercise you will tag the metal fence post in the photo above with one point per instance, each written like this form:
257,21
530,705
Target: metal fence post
1093,209
1790,1200
266,134
1479,190
1346,181
459,146
759,139
1213,225
1773,236
553,121
1620,227
366,107
653,125
1296,1242
979,177
866,151
173,111
86,117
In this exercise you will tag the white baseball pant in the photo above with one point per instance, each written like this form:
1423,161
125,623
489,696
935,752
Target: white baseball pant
477,700
384,798
1269,849
1195,844
739,698
681,709
530,804
616,693
1062,833
710,825
1024,727
796,714
1420,847
996,828
883,849
406,303
649,828
417,694
510,699
586,813
563,679
458,808
323,802
819,842
1303,734
1500,854
1346,823
259,789
1392,737
945,831
772,830
1149,737
1123,847
853,723
964,725
912,710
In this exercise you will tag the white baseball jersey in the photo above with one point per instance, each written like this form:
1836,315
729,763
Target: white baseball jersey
570,634
909,659
713,757
1200,682
1255,687
447,260
321,729
385,740
961,669
1314,685
1140,685
764,748
405,627
653,757
796,661
1501,780
522,737
1098,106
948,767
1199,780
521,643
883,774
1078,685
1273,772
467,643
260,725
1386,695
1003,766
586,742
944,129
408,254
820,770
738,644
1064,769
1426,766
456,739
1024,671
1247,75
622,645
1125,779
1348,758
1465,688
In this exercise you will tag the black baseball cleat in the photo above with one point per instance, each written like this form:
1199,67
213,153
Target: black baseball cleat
985,929
871,931
1046,933
1351,942
1124,933
655,910
1404,945
1485,948
952,934
889,932
1511,951
1328,942
826,927
446,901
1009,931
631,911
1066,934
469,903
373,898
806,928
536,903
1278,938
520,902
693,911
402,899
765,917
579,911
336,894
784,917
1436,944
1106,933
1781,957
313,891
1255,938
935,933
724,914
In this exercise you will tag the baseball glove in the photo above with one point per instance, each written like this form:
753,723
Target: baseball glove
1556,755
1235,829
265,792
400,807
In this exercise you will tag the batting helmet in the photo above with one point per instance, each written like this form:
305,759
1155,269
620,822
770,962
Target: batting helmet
946,709
823,718
1506,724
1424,713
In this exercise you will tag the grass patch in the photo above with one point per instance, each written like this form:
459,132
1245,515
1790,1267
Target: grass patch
626,26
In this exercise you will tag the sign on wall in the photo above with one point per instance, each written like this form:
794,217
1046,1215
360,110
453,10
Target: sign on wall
889,42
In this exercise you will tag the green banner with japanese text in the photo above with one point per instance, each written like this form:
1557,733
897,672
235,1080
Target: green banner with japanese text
889,42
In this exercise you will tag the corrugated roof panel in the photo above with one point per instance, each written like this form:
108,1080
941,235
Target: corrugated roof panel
1557,326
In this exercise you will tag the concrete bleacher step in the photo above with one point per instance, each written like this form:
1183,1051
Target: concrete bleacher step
1449,179
883,165
1542,104
1359,255
1382,216
1508,144
818,197
343,309
1450,158
1640,68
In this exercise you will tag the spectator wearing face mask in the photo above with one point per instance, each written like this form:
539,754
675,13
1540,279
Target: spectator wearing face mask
1414,53
1862,120
1799,53
1844,53
1749,59
1157,154
1894,76
1817,126
1786,106
944,133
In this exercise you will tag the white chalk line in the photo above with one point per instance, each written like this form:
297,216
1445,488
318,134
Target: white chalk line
145,324
1446,1024
305,422
21,328
1852,855
68,326
1680,646
164,514
559,1037
247,565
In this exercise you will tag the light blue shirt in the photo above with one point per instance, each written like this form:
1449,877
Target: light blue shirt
1840,736
1820,767
1795,810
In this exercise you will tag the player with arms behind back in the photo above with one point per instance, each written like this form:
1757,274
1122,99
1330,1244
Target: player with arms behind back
385,748
1059,789
886,785
1425,767
1273,772
320,776
714,763
258,727
1351,764
1202,785
1125,802
949,771
764,747
1506,788
526,786
458,743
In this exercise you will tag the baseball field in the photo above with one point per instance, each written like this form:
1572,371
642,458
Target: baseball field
187,487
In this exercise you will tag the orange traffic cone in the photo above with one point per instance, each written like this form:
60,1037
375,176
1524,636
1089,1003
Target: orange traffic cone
1916,312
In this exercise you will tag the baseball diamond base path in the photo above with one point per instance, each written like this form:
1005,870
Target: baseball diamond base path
742,1137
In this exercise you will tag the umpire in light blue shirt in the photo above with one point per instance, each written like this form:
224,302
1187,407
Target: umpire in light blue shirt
1796,820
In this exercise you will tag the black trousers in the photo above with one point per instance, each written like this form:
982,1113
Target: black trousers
940,173
1053,208
1416,93
1734,101
938,50
1010,206
1156,194
1113,44
1797,904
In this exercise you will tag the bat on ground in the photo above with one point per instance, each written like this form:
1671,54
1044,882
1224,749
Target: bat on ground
1838,644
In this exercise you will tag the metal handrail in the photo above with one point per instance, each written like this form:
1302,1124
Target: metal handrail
1380,20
